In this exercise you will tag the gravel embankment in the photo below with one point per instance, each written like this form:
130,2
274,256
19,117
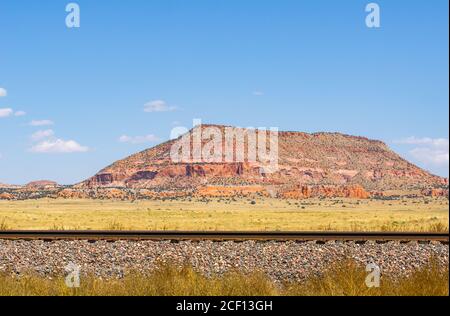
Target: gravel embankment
280,260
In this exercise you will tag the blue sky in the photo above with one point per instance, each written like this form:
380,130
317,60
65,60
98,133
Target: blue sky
297,65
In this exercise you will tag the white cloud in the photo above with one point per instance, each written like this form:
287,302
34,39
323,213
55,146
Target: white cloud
431,156
430,151
42,134
139,139
48,143
41,122
58,146
258,93
6,112
3,92
20,113
435,142
158,106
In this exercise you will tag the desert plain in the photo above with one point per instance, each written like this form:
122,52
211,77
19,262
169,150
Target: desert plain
223,214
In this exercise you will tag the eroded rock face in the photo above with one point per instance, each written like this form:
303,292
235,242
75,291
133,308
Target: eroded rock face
104,179
72,194
6,196
320,164
144,175
305,191
435,192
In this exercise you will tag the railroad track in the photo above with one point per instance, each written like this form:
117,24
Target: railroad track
223,236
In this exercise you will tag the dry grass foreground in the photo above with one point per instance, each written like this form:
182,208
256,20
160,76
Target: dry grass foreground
343,279
420,214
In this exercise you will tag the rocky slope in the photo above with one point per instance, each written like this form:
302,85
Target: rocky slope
309,165
282,261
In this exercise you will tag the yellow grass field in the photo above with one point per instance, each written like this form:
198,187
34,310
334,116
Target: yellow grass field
421,214
342,279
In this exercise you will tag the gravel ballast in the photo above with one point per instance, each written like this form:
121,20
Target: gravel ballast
282,261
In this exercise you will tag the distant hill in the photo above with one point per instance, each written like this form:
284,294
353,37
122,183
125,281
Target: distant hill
319,164
41,184
9,186
34,185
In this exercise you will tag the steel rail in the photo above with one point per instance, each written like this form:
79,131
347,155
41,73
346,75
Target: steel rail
222,236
